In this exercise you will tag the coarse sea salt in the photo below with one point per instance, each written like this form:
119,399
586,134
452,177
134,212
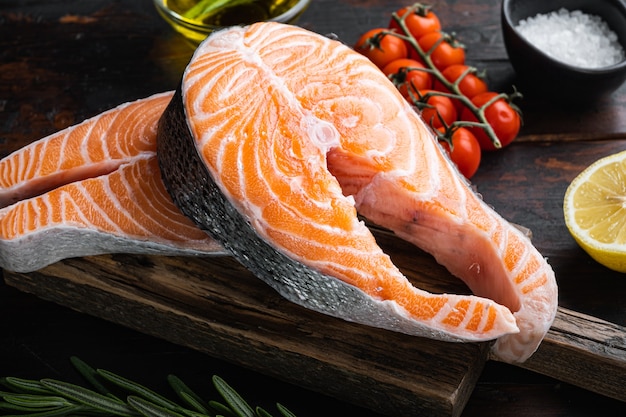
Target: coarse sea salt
575,38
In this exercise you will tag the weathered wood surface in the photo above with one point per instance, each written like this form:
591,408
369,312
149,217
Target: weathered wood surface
61,62
216,306
585,351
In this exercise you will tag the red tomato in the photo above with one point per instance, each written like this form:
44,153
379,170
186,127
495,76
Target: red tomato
465,152
446,53
503,118
419,22
381,48
440,107
470,85
403,76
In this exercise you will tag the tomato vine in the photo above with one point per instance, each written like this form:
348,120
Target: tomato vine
414,34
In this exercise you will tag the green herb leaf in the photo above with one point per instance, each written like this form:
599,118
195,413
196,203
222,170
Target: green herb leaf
137,389
187,395
92,376
284,411
239,406
149,409
72,410
262,413
34,401
90,398
221,409
25,386
52,398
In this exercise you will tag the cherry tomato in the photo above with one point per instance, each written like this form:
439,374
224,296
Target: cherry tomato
465,152
381,48
419,22
446,53
503,118
401,73
470,85
441,107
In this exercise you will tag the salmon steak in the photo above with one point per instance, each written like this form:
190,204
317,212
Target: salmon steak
90,189
279,141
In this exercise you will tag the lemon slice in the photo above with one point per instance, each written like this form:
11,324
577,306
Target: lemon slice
595,210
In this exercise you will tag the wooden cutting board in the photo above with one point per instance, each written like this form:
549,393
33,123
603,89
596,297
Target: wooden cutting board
216,306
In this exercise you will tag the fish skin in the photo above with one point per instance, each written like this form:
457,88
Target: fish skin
205,186
58,217
200,198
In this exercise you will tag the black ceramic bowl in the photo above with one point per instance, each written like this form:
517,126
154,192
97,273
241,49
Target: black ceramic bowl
544,76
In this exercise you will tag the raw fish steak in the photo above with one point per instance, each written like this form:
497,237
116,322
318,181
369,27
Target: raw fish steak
90,189
278,137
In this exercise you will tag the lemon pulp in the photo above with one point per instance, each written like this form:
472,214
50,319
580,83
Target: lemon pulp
594,207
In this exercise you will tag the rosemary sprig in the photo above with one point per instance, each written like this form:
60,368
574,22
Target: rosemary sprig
52,398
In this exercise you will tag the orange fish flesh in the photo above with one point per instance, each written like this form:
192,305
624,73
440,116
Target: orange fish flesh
278,137
93,188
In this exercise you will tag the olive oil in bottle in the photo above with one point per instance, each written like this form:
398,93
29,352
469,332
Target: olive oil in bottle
229,12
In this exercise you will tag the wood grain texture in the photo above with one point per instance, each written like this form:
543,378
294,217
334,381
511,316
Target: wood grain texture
217,307
585,351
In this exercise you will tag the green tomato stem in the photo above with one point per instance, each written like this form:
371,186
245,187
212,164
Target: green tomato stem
478,112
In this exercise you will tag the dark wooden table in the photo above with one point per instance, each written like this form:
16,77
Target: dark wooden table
62,61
